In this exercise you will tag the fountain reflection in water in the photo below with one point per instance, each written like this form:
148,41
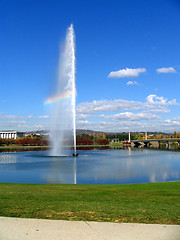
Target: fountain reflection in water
63,115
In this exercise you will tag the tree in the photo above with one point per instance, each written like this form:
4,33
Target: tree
101,141
104,136
32,141
84,141
175,134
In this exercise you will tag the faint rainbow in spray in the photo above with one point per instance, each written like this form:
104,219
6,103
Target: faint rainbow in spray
58,98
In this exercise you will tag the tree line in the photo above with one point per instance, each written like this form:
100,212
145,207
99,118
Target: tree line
25,141
85,139
91,139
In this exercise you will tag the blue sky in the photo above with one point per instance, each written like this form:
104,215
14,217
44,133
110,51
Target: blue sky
127,62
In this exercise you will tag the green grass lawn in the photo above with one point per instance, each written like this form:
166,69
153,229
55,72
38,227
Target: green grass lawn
137,203
116,144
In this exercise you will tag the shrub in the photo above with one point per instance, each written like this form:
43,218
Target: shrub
102,141
83,141
32,141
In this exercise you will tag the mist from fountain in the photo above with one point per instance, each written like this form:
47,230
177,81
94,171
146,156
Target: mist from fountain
63,101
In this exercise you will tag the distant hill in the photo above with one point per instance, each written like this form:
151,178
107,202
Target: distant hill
88,132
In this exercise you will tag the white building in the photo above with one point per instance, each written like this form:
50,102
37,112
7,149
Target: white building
10,134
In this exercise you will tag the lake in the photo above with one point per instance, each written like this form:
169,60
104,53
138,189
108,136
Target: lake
121,166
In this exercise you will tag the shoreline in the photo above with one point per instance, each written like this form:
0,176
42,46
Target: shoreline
14,146
80,147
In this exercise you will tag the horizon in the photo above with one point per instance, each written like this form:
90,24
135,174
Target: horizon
89,130
127,63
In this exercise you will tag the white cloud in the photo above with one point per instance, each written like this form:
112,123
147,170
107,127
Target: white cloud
82,116
154,99
8,117
82,122
108,106
166,70
174,121
100,106
108,115
30,117
173,124
23,123
125,125
131,116
158,110
132,83
127,73
43,117
20,125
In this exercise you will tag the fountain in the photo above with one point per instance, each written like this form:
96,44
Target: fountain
63,101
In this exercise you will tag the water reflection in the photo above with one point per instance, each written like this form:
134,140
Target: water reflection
92,167
7,159
61,170
22,149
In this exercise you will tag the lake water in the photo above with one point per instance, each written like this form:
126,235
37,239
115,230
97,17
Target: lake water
91,167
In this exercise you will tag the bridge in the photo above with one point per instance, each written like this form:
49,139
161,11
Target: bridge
147,142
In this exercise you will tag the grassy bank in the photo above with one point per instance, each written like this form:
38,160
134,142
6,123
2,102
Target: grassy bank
118,144
141,203
16,148
19,147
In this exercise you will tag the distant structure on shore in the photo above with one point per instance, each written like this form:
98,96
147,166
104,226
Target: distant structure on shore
11,134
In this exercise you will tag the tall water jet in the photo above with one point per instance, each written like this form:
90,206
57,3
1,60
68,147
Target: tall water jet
63,101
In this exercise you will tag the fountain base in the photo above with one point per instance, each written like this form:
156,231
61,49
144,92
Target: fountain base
75,154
